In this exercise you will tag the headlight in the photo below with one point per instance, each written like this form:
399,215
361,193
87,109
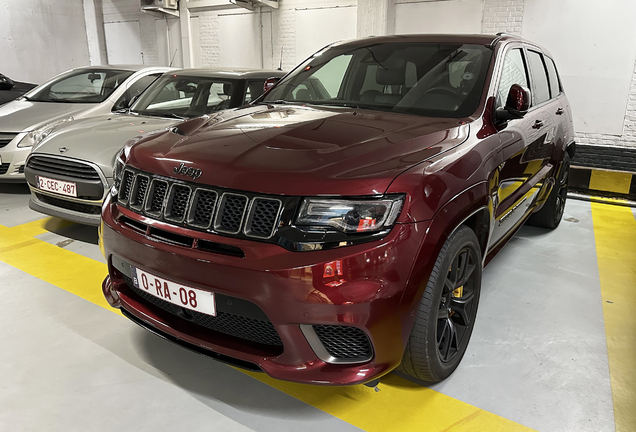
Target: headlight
36,136
350,216
118,170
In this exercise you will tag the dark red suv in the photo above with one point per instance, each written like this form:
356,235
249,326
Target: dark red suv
336,229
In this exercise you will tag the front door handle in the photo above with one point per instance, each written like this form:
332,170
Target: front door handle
560,111
537,125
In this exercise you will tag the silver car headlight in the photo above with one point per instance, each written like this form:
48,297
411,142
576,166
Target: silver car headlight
118,170
350,216
36,136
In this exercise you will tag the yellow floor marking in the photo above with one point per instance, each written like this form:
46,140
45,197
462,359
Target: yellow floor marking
615,234
399,406
610,181
72,272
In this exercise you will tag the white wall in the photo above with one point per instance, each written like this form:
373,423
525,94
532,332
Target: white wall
240,44
313,33
41,38
452,16
128,11
595,50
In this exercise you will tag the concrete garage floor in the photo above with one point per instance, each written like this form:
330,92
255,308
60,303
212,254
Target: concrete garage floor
540,356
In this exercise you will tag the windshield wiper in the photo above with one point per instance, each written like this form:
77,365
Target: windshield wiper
335,104
173,115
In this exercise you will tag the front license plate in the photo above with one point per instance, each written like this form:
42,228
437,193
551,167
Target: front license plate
57,186
172,292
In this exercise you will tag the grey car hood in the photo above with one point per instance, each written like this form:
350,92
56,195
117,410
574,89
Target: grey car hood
98,139
23,115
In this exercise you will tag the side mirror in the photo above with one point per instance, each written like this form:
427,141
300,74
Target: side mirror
517,103
6,83
269,83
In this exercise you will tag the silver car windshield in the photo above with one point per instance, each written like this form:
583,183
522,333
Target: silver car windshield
81,86
431,79
179,96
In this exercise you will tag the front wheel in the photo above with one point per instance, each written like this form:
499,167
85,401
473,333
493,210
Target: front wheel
447,311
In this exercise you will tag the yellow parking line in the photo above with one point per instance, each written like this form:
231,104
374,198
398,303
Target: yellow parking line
610,181
65,269
399,406
615,234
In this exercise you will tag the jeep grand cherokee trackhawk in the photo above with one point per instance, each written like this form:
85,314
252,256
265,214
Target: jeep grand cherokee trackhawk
337,228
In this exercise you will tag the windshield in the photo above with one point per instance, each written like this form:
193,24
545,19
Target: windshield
436,80
81,86
175,95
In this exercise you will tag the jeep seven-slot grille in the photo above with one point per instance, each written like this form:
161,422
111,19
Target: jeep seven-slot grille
247,328
64,167
200,208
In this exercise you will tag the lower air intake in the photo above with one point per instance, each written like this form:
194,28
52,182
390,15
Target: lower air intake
345,343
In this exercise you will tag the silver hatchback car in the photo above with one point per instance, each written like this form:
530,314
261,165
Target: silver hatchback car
78,93
71,170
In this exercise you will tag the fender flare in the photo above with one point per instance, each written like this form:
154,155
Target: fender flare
472,202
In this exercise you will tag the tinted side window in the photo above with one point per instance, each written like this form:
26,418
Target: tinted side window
555,88
541,91
514,72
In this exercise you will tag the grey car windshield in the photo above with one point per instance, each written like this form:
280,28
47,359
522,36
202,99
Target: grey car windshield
437,80
81,86
185,96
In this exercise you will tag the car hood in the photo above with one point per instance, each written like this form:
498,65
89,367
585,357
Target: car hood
299,150
23,115
98,139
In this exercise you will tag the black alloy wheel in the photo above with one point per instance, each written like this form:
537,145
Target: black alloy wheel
551,213
457,309
447,310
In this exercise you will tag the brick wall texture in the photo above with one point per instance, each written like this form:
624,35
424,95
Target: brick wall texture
502,16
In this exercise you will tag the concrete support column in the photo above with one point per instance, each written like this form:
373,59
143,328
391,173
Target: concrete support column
94,18
375,18
186,34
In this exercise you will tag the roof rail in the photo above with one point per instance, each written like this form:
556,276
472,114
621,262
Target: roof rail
500,35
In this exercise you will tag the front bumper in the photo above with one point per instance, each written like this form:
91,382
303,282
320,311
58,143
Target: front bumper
84,212
13,160
86,207
292,289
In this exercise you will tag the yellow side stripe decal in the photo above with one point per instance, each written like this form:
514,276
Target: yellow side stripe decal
399,406
615,234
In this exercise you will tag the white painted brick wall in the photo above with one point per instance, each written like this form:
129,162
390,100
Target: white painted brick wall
502,16
128,10
628,138
284,27
209,39
283,31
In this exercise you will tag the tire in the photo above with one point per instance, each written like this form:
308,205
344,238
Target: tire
551,213
426,357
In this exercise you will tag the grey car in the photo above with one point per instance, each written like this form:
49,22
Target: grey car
78,93
70,171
